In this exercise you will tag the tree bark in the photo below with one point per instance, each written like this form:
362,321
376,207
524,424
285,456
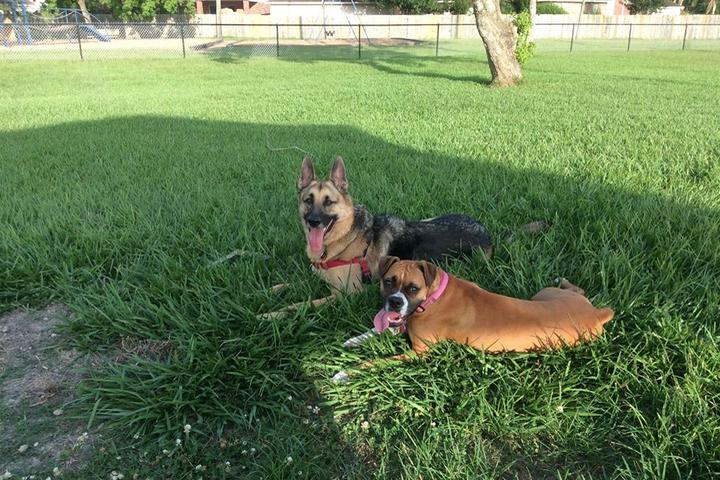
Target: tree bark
710,10
500,38
84,11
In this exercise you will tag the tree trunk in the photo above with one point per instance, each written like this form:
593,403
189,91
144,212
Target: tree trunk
710,10
84,11
500,38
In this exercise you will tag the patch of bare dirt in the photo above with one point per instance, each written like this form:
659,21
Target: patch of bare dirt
37,378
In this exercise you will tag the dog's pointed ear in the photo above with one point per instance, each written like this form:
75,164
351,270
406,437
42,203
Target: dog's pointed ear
385,263
338,175
307,173
429,271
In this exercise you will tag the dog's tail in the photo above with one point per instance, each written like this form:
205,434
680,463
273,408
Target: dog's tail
538,226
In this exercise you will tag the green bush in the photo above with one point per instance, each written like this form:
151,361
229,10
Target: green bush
458,7
646,6
550,9
411,7
524,48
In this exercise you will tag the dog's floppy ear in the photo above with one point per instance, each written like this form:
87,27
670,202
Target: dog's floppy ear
429,271
338,175
385,264
307,173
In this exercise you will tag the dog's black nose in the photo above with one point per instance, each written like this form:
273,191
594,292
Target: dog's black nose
395,303
313,223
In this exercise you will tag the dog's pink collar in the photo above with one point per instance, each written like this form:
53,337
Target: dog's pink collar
435,296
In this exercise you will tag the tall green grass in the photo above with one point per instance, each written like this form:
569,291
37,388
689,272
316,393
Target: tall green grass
123,181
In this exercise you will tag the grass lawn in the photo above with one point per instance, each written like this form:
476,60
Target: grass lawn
122,180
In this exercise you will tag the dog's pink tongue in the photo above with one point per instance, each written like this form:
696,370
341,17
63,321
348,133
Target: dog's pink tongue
382,320
315,238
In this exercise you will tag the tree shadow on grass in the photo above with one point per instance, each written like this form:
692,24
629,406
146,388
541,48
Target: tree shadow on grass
392,60
122,223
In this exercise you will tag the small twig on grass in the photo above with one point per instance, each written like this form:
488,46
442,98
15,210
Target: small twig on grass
279,287
278,149
283,312
236,253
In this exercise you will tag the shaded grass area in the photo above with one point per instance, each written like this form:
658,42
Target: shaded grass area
128,178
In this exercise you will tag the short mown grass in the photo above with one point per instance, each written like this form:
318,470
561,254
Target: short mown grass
122,181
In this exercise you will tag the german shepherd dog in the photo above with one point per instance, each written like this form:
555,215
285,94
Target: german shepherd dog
345,241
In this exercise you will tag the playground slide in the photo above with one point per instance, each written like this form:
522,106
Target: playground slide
90,30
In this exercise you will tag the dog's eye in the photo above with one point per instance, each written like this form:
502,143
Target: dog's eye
308,201
328,202
387,283
413,289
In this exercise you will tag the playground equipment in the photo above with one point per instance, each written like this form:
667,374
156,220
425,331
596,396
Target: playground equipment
69,23
75,16
339,6
22,33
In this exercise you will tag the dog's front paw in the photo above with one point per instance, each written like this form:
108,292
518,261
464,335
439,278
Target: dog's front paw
341,377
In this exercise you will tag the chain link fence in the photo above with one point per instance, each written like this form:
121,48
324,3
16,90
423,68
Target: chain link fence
230,42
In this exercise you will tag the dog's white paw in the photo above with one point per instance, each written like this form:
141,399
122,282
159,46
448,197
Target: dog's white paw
340,377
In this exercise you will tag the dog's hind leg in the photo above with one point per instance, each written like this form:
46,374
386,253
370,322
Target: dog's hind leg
283,312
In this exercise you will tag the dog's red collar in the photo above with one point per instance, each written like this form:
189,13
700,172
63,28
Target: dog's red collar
329,265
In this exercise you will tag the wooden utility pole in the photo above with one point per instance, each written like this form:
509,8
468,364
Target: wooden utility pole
218,18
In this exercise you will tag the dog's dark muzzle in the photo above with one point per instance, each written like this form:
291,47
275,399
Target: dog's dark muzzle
316,219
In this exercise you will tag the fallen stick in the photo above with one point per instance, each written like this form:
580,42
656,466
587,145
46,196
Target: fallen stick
283,312
279,287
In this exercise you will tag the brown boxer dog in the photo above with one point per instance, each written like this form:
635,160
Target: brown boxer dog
435,306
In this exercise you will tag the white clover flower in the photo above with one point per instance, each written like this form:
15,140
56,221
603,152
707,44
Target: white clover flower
433,424
187,428
23,448
306,421
136,436
559,409
252,451
227,464
316,410
365,425
165,451
6,475
289,460
244,452
199,467
56,472
178,442
289,398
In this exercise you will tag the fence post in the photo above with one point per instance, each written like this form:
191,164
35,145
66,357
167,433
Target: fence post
572,37
629,37
301,30
77,27
437,39
182,37
277,40
359,41
685,36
